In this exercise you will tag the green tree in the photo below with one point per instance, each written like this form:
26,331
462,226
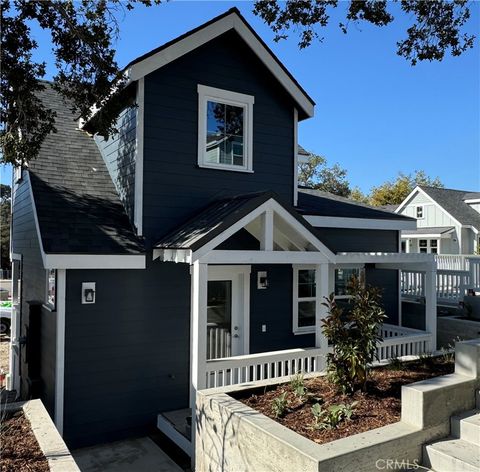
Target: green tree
435,26
5,199
394,192
83,34
315,173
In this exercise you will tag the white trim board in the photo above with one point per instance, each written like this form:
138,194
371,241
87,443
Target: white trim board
60,350
211,31
358,223
139,144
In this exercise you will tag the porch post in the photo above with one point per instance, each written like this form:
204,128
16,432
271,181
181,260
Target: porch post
431,303
198,328
322,282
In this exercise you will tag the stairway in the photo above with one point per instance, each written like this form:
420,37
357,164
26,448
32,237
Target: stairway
461,451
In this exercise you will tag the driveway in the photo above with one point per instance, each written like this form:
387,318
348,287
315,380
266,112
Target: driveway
131,455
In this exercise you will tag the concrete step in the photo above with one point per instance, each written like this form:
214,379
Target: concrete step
466,426
452,455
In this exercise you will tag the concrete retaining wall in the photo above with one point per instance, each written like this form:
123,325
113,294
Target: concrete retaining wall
450,329
231,436
48,438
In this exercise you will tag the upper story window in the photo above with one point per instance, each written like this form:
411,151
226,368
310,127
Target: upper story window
419,212
225,129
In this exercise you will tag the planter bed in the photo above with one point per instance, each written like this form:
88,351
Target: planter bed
379,406
20,448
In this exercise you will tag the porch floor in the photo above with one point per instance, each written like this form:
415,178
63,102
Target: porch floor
174,425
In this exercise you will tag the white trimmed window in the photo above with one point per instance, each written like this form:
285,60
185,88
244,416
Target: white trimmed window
51,289
225,129
343,277
419,212
428,246
304,299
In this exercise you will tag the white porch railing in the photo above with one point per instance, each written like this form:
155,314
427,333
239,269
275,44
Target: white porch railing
219,342
398,341
455,275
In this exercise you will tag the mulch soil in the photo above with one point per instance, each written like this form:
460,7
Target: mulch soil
19,450
379,406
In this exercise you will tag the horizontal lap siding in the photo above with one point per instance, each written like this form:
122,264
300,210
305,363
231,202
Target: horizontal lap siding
174,187
118,153
127,355
273,307
25,242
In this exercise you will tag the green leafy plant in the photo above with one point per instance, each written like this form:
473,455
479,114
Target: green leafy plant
395,364
332,416
279,405
448,352
354,335
297,384
426,359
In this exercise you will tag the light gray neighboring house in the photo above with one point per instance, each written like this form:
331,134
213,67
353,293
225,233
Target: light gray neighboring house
448,221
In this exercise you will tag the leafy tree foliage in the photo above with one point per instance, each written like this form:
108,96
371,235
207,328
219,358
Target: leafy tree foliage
394,192
354,335
315,173
83,34
5,199
436,24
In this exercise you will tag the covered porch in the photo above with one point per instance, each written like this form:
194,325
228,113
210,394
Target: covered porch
235,260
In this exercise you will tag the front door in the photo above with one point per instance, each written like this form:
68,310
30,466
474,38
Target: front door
227,311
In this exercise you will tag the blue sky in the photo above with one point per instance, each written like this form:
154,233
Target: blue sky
376,115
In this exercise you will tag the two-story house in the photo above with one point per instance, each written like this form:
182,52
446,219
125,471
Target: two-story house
179,254
448,221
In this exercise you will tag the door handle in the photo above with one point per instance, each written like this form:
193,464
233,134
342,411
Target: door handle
236,336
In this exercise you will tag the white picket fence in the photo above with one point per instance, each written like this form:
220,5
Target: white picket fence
456,274
397,341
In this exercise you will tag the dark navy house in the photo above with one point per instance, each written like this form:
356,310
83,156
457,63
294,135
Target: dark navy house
180,254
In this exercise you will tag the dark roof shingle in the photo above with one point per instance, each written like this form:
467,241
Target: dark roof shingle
78,208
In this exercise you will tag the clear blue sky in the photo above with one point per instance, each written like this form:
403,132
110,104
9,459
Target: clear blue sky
375,114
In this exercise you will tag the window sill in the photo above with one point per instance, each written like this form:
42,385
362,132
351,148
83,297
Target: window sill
225,168
298,332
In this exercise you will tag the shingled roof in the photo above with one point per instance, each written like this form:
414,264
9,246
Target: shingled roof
78,209
316,202
452,201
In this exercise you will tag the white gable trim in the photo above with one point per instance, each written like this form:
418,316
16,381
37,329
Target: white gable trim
139,144
419,190
206,34
269,205
358,223
472,200
83,261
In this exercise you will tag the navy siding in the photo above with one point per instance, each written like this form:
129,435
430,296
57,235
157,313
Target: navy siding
273,307
174,187
118,152
127,355
25,242
387,280
359,240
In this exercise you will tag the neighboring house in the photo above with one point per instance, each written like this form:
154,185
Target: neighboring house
448,221
182,239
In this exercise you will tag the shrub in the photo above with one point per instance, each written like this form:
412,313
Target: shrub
354,335
297,384
279,405
332,416
395,364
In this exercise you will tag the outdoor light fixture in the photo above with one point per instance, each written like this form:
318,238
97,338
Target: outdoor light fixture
88,293
262,281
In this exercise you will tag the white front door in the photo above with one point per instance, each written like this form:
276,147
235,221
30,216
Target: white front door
228,304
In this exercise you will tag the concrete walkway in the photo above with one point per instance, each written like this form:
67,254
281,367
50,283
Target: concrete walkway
131,455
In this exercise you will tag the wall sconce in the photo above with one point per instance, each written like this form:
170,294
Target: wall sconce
88,293
262,281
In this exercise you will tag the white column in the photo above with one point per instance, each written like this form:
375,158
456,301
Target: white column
266,242
322,283
431,304
198,328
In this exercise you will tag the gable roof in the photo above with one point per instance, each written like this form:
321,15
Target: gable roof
78,209
317,202
219,216
230,20
452,201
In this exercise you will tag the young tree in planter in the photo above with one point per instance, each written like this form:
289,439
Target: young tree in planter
354,334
